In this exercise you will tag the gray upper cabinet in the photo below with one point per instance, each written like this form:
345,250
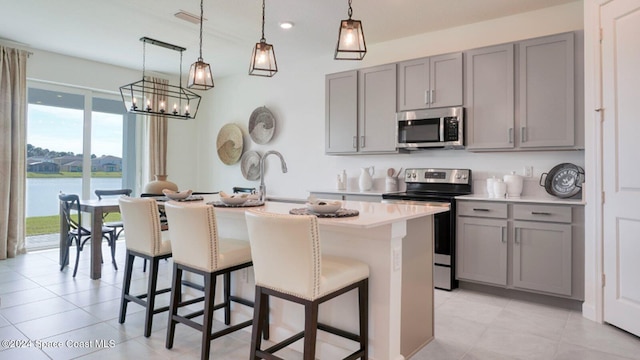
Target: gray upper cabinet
377,109
546,92
521,96
430,82
341,112
490,97
360,108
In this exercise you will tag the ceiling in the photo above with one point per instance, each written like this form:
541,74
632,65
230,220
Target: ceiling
109,31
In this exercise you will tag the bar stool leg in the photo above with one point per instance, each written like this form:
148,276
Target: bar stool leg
259,311
126,286
176,290
310,329
207,323
363,300
151,297
227,298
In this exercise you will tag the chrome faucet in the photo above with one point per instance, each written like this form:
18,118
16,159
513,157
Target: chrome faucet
263,188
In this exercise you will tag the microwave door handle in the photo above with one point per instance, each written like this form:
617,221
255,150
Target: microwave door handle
442,121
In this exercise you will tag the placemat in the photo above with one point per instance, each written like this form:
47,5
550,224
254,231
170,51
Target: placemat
340,213
189,198
248,203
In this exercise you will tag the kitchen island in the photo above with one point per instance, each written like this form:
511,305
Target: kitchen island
396,241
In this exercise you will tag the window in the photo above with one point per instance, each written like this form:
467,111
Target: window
78,141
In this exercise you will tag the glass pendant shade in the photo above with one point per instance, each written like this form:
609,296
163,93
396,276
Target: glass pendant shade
263,60
200,76
351,45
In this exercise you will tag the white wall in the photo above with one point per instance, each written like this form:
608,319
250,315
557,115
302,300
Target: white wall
296,97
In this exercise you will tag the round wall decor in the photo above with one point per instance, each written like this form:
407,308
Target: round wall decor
250,165
229,144
262,125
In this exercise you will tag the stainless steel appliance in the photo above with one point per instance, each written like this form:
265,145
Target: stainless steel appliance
428,186
430,128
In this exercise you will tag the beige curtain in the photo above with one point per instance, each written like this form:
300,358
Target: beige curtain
157,130
13,137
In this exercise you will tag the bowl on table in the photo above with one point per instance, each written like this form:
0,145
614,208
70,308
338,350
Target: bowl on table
176,195
324,206
235,199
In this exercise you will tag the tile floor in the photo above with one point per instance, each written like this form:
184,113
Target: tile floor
40,303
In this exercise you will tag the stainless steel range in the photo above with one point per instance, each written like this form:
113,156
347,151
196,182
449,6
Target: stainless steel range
428,186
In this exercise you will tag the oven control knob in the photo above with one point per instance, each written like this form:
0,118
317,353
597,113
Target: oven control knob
457,176
464,177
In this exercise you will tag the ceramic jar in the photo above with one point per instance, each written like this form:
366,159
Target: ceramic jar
490,182
365,181
160,183
514,185
499,189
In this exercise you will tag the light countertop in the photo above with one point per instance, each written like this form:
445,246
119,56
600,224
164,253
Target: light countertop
348,192
371,214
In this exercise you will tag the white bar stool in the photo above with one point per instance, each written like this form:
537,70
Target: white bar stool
288,264
197,249
145,240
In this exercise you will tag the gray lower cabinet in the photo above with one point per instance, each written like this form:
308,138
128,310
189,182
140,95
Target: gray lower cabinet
482,250
522,95
360,108
430,82
533,247
542,255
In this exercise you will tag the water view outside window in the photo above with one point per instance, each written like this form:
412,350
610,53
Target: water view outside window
55,129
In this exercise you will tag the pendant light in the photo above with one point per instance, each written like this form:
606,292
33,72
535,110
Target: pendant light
200,76
263,58
351,45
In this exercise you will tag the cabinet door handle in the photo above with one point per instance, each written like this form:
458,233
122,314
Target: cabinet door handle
362,141
355,142
518,234
540,213
480,209
433,96
426,96
523,134
504,238
510,135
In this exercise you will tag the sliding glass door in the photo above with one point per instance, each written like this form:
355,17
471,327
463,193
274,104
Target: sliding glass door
77,142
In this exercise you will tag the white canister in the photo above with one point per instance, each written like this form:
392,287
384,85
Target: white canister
391,184
499,189
490,182
514,185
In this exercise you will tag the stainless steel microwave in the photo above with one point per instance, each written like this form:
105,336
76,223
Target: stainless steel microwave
430,128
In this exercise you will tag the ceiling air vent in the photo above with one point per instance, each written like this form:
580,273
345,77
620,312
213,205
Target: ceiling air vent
187,16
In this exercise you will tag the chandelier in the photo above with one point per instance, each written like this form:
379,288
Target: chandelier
200,76
148,97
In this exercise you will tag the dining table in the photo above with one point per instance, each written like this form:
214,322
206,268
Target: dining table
95,208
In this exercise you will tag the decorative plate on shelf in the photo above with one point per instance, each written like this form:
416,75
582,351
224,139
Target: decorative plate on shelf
250,165
229,144
262,124
564,180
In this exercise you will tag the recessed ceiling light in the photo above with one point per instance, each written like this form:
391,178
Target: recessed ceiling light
286,25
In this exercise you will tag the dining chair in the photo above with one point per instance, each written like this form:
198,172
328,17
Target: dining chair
70,205
116,225
145,240
288,264
199,250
